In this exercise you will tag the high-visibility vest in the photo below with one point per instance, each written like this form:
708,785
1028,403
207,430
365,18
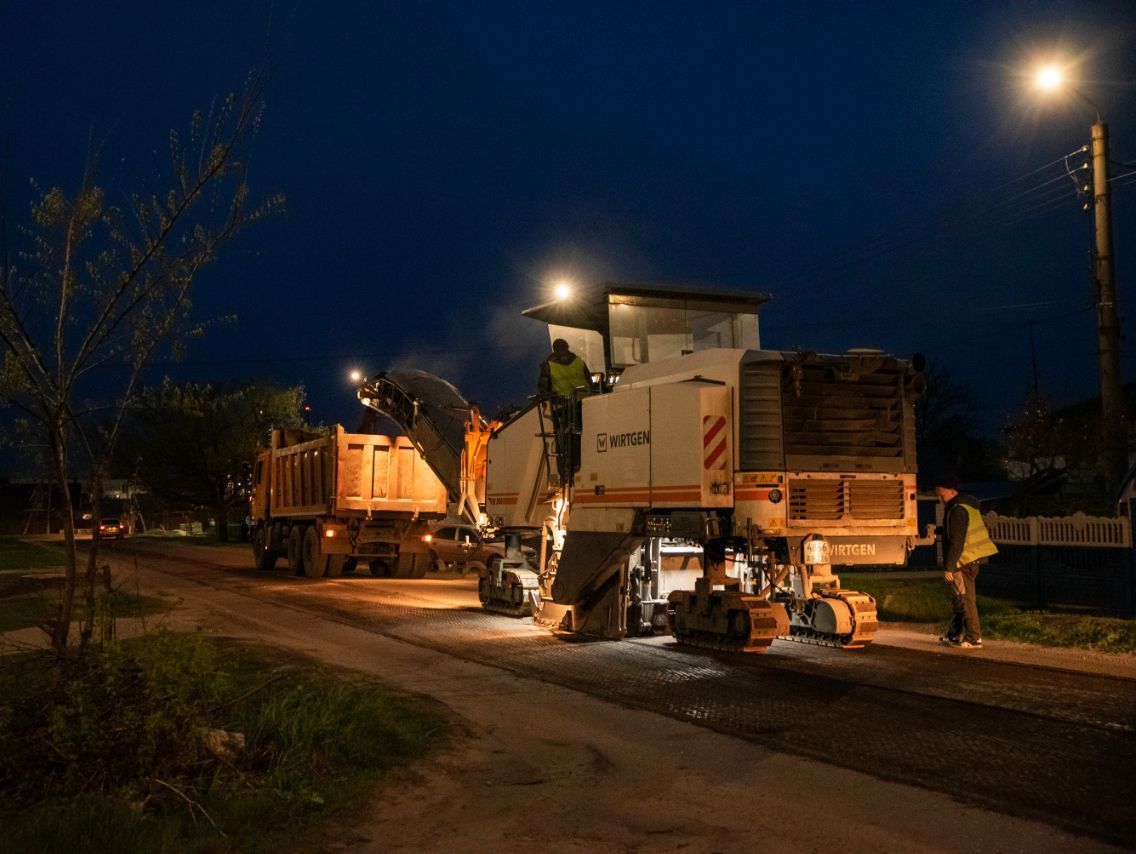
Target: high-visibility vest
977,544
566,378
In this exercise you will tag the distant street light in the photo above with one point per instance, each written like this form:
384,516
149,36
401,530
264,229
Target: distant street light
356,376
1113,435
562,289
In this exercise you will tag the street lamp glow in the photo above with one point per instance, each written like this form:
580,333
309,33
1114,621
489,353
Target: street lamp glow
1050,78
562,290
356,375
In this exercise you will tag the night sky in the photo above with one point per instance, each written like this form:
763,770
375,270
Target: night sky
882,169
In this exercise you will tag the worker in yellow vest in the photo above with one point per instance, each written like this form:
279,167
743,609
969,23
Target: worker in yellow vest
966,545
561,374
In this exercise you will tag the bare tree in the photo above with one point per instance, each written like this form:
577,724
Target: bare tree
100,284
1033,437
947,435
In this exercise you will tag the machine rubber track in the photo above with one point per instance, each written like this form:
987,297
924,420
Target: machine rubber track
863,623
803,634
690,626
513,591
709,640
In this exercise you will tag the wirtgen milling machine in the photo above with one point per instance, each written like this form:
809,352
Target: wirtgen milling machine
709,485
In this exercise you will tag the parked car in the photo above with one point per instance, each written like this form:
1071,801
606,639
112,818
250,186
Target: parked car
111,528
456,544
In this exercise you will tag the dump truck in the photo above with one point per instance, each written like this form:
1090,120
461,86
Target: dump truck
330,502
708,489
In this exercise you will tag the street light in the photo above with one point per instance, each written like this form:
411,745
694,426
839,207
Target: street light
1114,439
1050,78
562,289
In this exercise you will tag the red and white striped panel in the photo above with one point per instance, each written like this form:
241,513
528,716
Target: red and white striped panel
714,456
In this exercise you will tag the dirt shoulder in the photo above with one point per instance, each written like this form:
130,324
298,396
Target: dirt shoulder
924,637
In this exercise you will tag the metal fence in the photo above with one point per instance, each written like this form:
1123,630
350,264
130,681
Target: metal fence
1070,562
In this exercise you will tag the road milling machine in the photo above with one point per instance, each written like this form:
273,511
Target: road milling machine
703,485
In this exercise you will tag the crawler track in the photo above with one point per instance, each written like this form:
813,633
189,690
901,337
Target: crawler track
525,609
706,640
803,634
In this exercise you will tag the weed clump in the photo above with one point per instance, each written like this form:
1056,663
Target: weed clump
176,741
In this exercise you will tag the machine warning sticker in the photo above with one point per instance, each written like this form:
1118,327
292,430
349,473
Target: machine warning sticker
714,454
621,440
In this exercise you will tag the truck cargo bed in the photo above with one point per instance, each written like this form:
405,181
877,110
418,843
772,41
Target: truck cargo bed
352,474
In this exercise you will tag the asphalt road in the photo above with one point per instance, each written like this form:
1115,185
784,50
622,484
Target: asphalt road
1049,745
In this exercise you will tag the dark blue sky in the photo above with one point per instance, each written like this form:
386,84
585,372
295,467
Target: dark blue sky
879,167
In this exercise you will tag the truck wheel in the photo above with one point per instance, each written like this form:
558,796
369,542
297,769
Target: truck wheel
438,564
421,564
404,565
296,550
315,562
335,565
349,564
380,568
262,558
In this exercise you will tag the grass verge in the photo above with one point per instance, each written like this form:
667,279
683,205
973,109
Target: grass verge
175,742
928,600
27,601
20,554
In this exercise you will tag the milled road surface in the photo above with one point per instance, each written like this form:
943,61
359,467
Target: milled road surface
980,739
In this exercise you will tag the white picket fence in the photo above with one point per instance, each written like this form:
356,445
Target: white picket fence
1075,530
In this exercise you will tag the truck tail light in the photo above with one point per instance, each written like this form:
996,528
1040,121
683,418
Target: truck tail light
427,538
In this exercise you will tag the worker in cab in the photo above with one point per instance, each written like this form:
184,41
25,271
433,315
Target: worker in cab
563,372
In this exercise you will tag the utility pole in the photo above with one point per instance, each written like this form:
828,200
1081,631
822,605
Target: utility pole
1114,436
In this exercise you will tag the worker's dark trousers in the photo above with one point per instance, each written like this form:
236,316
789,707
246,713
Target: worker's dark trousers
567,439
964,604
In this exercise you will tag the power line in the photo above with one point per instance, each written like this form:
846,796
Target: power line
947,218
877,318
955,342
958,221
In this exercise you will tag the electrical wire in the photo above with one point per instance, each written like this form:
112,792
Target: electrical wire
878,319
957,222
955,342
945,218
